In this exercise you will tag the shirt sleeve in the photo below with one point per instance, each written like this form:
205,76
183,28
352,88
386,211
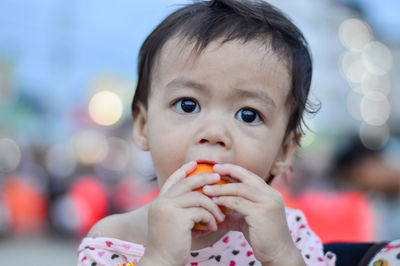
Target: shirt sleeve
108,251
308,243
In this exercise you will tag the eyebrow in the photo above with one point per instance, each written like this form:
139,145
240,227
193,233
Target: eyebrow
185,83
257,93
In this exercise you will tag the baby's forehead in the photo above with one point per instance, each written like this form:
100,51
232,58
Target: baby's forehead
235,64
191,50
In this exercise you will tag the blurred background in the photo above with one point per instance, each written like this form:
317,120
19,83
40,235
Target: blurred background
67,77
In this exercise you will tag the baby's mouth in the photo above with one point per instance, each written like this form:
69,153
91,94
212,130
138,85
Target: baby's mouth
206,162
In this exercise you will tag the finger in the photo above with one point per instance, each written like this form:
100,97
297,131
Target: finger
246,191
192,183
178,175
200,215
197,199
241,174
267,196
237,204
271,204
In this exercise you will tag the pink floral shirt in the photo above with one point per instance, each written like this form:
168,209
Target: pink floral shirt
232,249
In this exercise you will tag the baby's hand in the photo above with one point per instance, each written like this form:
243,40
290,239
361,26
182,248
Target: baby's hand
172,215
257,210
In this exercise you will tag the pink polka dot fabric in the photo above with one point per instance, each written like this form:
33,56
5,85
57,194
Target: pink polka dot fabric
232,249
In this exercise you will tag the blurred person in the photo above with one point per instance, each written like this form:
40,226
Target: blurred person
361,185
222,82
359,167
374,172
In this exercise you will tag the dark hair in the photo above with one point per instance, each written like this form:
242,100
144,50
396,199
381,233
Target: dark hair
245,20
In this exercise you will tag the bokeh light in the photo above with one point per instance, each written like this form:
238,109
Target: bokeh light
346,60
65,216
105,108
354,34
374,137
375,108
356,71
366,64
90,146
26,203
85,203
353,104
10,155
61,160
118,154
371,82
377,58
122,87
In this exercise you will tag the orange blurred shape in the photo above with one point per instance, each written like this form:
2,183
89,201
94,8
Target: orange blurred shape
335,216
91,201
26,204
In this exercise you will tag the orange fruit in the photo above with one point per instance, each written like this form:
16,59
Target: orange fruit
201,169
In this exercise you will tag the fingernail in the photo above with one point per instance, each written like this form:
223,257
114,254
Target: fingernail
215,199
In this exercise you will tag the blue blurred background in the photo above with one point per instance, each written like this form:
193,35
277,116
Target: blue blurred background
67,77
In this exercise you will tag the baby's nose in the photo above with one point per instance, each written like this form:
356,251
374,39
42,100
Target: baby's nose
215,133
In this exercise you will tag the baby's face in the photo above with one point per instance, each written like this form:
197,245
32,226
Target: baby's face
226,106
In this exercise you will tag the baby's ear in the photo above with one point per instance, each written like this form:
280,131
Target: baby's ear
286,154
140,126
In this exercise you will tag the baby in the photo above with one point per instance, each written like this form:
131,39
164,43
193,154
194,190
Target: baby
223,82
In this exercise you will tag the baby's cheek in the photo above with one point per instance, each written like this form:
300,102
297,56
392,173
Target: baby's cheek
259,165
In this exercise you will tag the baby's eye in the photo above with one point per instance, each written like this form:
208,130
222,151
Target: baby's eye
187,106
248,115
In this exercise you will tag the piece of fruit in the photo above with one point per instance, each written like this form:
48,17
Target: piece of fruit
201,169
